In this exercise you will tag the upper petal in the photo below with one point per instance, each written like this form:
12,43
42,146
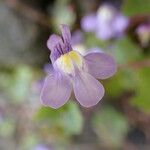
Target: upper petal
120,23
104,31
100,65
88,23
88,91
53,41
95,49
66,33
56,90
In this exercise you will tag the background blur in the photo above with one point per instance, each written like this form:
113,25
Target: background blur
120,121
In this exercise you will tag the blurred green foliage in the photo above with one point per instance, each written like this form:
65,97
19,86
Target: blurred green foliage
136,7
64,122
122,82
142,82
21,83
16,83
126,51
7,127
29,141
110,126
62,14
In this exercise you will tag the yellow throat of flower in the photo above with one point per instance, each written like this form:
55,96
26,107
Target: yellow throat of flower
68,61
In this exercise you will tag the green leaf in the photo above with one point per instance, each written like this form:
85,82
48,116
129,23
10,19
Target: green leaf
7,127
29,141
62,14
91,41
68,118
110,126
122,81
142,98
125,51
135,7
21,81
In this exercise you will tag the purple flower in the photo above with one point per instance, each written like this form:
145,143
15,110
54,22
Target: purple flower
106,23
143,32
88,23
74,71
41,147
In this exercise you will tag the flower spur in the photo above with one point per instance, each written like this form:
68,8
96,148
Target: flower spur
71,70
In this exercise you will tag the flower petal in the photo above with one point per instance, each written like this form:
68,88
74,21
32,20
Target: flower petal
88,23
53,41
88,91
120,23
100,65
48,69
56,90
66,33
95,49
104,32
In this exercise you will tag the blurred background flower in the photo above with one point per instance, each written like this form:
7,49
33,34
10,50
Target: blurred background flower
120,121
143,32
107,22
41,147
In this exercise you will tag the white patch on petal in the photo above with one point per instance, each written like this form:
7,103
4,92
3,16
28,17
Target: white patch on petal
64,63
79,48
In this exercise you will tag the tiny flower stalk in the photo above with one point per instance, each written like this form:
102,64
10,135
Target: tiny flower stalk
73,71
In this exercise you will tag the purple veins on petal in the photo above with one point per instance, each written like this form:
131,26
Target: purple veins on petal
56,90
100,65
59,45
53,41
66,36
66,33
88,91
70,68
